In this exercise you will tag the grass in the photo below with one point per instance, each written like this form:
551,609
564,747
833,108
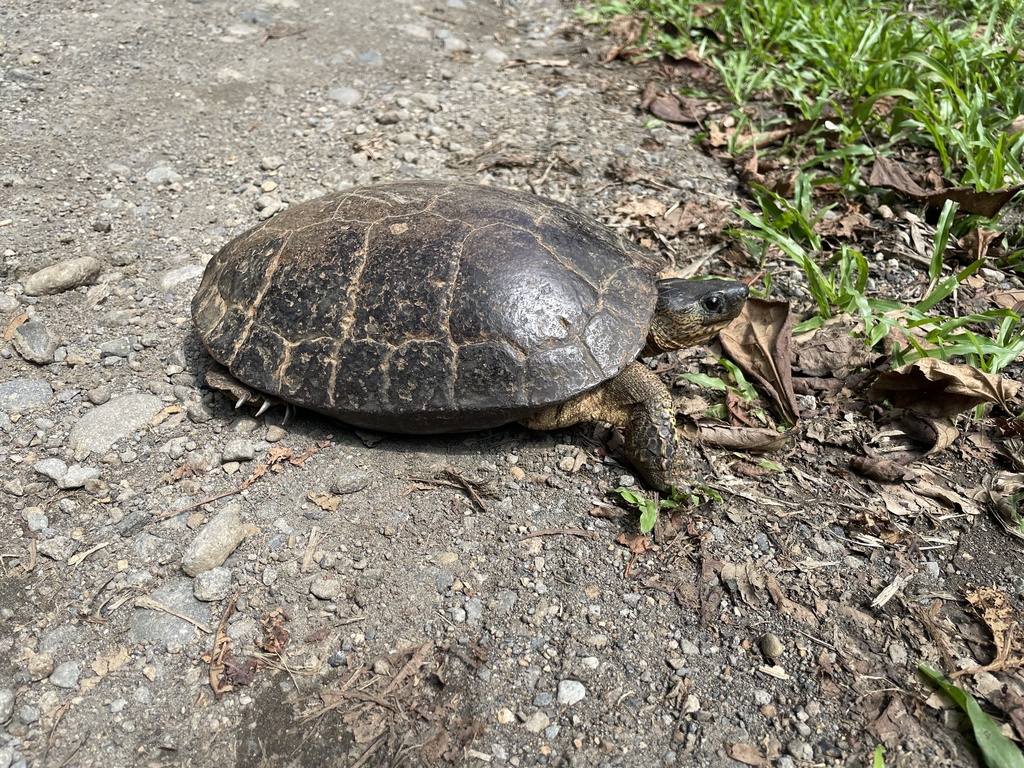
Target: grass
941,89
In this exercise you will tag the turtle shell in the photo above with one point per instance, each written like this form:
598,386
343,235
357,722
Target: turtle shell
426,306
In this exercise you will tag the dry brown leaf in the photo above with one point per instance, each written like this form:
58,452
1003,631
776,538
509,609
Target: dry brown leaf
891,724
326,501
1009,300
931,387
889,174
945,496
787,606
995,608
938,434
832,349
998,491
746,754
750,439
976,243
882,470
758,341
672,107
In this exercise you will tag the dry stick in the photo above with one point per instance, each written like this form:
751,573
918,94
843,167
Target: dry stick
558,531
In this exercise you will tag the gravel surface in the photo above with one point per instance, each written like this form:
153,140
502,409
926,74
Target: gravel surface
371,599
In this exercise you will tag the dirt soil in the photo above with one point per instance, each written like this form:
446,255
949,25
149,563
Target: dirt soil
357,599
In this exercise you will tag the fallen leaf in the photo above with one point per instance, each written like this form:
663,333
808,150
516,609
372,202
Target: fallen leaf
750,439
672,107
746,754
326,501
935,388
832,349
1000,491
995,608
759,343
882,470
889,174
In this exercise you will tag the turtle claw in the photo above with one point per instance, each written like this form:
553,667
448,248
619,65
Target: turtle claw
263,408
241,401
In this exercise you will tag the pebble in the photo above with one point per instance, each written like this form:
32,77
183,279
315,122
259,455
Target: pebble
162,174
771,646
116,348
326,588
239,450
571,692
276,433
58,548
453,44
164,628
349,481
271,162
212,585
66,675
103,426
415,30
34,342
799,749
6,705
63,276
29,714
40,666
98,395
537,722
370,58
347,97
24,394
215,541
7,757
389,118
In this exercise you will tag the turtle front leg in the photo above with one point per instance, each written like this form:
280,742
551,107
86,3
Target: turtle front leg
641,404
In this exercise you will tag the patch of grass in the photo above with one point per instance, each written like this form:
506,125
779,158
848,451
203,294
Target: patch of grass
941,85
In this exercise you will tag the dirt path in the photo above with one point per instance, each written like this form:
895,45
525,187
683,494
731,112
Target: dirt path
423,626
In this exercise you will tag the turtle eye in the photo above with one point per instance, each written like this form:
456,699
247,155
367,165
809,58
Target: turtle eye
714,303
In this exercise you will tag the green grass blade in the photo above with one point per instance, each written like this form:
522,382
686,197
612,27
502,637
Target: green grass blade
997,750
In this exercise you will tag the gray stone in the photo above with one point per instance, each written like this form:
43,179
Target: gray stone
326,588
161,174
29,714
771,646
347,97
77,476
55,469
271,162
215,542
212,585
6,705
7,757
415,30
176,277
25,394
238,450
158,626
59,547
34,342
474,610
537,722
36,521
571,692
370,58
104,425
63,276
453,44
349,481
65,675
98,395
116,348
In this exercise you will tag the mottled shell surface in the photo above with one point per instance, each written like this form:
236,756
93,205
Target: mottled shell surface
426,306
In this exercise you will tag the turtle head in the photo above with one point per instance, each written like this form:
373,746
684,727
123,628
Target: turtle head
689,312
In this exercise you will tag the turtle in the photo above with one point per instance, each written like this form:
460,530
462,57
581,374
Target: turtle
429,307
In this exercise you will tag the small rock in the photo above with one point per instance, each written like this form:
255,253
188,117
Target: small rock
6,705
570,692
239,450
799,749
77,476
347,97
162,175
276,433
505,716
215,541
103,426
495,56
101,224
165,628
537,722
389,118
34,342
29,714
370,58
98,395
415,30
63,276
40,666
58,548
213,585
453,44
326,588
271,163
24,394
55,469
116,348
771,646
349,481
65,675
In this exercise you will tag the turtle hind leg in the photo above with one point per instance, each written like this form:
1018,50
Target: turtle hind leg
638,401
217,377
